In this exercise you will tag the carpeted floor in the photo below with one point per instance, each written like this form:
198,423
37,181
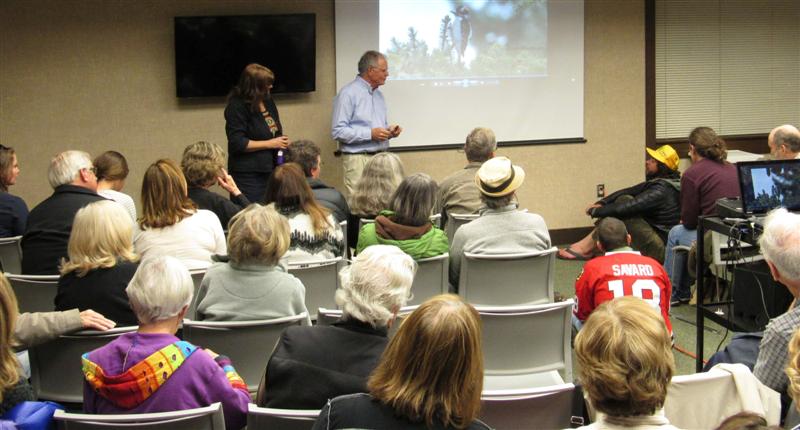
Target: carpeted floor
682,317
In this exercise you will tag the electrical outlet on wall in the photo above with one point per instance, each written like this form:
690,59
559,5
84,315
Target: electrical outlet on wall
601,190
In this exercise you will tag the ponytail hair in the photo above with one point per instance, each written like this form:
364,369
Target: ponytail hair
708,144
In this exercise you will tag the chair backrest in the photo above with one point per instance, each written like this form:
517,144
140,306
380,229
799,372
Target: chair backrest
248,344
10,254
508,279
321,280
364,221
330,316
285,419
520,341
346,253
687,404
454,221
205,418
546,407
436,220
35,293
430,279
56,373
197,279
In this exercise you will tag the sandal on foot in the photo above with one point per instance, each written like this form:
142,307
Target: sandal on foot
571,255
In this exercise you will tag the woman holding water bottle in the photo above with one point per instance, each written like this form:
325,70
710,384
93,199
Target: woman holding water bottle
255,136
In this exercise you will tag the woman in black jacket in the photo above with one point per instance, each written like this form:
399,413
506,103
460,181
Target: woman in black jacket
253,127
649,208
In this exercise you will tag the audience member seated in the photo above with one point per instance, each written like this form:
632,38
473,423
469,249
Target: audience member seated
746,421
22,331
13,210
306,154
625,364
313,364
784,143
14,388
407,224
457,192
112,170
430,376
101,263
649,209
315,234
709,179
780,245
252,285
74,183
501,228
381,176
203,165
151,370
620,272
793,375
171,224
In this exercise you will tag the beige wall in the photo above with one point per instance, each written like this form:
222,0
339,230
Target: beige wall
98,75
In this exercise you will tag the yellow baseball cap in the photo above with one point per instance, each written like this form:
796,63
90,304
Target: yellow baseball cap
666,155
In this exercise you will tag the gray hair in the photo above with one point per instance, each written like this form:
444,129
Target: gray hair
413,201
159,289
480,144
376,285
64,167
498,202
369,59
381,176
780,242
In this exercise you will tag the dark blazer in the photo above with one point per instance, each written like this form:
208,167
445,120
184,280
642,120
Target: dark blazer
101,290
362,411
224,208
313,364
331,198
13,215
243,125
46,236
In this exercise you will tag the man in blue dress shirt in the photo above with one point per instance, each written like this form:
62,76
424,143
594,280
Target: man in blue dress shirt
360,122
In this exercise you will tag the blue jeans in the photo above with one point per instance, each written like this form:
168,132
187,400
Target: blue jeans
576,323
675,264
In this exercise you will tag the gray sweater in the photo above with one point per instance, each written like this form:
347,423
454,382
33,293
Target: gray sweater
249,292
498,231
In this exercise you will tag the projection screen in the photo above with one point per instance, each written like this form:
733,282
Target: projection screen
515,66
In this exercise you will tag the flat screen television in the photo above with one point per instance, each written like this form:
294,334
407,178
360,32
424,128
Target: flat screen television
212,51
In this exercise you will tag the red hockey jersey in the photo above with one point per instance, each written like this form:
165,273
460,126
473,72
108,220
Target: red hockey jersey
623,273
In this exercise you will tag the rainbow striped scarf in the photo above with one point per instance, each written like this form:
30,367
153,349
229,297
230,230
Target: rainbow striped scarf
129,389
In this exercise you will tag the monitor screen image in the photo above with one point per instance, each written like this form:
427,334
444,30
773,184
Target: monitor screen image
766,185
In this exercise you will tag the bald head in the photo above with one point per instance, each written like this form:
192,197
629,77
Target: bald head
784,142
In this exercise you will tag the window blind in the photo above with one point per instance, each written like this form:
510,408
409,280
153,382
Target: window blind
733,65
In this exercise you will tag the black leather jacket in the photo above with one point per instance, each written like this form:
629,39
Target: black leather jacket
658,201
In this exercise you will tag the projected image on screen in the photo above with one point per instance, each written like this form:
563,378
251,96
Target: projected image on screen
456,39
771,187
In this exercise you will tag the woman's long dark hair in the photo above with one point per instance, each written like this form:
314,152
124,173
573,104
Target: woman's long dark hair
289,190
253,86
708,144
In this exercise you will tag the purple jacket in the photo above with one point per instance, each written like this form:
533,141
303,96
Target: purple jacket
198,382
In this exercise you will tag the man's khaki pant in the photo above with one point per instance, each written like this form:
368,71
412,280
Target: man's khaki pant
353,167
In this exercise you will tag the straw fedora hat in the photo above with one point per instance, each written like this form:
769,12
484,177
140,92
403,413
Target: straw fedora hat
497,177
